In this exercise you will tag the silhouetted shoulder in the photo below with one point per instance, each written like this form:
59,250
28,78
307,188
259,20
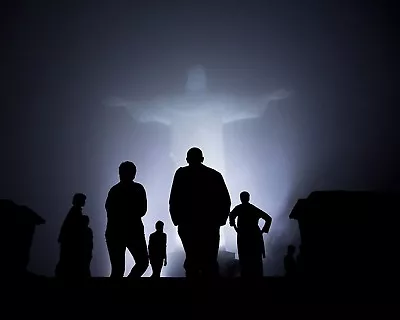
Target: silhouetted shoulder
114,188
138,186
182,170
212,171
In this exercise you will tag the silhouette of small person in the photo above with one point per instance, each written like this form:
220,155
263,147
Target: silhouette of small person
87,246
199,205
290,262
126,204
158,249
250,241
70,239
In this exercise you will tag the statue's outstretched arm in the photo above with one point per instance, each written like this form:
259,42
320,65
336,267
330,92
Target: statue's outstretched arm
144,111
240,108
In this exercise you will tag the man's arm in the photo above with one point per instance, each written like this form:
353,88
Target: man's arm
149,246
174,198
225,201
109,202
165,249
142,201
267,218
232,217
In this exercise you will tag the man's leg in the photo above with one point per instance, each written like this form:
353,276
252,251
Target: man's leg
116,250
193,254
156,266
210,265
138,249
258,266
244,266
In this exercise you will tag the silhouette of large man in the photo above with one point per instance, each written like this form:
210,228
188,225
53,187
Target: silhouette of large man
126,204
199,205
250,241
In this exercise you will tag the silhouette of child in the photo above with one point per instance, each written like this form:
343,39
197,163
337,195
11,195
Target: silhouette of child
158,249
290,262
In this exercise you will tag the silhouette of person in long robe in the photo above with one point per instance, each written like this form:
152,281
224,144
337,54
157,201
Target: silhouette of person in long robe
199,205
158,249
126,204
250,240
87,246
71,240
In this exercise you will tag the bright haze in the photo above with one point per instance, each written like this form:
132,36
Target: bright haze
85,87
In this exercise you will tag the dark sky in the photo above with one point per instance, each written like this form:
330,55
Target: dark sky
61,59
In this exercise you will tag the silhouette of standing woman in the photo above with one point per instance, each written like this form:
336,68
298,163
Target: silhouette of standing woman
250,241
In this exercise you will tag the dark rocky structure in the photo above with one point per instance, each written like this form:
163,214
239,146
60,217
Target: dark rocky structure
18,224
348,234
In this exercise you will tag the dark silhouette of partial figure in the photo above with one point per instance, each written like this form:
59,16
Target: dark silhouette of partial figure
158,249
73,241
289,262
250,240
300,262
19,224
199,205
87,246
126,204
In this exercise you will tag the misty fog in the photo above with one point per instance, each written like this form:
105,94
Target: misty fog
336,130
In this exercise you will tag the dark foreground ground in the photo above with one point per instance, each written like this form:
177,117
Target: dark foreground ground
180,297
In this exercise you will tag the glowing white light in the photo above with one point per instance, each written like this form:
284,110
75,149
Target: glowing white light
196,118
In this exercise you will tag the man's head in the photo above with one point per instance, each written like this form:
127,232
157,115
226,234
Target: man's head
245,197
194,156
79,200
159,226
127,171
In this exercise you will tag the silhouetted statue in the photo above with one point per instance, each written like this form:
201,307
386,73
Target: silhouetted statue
199,205
18,228
250,240
158,249
73,240
126,204
289,262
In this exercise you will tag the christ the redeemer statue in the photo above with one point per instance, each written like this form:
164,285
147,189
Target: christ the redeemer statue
196,118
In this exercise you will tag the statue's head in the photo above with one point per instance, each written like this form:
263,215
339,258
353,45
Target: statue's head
196,80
